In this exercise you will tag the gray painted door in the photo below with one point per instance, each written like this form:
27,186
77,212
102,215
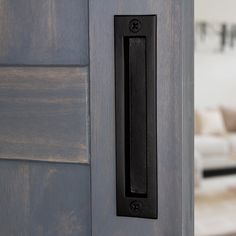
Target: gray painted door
44,146
57,118
174,118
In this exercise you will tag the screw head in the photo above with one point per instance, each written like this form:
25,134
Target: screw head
135,206
135,26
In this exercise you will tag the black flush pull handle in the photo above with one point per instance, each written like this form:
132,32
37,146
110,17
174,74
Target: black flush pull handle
135,116
135,57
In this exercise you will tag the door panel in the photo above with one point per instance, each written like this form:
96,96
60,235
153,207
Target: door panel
44,199
47,109
44,114
44,118
174,118
44,32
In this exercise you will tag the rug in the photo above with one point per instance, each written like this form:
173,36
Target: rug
215,207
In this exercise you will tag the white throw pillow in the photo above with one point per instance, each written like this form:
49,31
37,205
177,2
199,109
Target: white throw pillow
211,122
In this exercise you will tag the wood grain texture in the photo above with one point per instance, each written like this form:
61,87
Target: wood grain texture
44,114
188,117
44,199
174,118
43,32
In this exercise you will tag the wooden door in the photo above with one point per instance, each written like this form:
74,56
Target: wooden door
174,118
44,146
57,118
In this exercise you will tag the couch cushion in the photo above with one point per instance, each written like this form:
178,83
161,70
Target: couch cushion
229,115
232,142
212,145
214,163
210,122
197,122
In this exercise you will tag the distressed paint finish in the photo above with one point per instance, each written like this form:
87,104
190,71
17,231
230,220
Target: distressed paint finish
44,118
44,32
188,119
44,199
174,118
44,114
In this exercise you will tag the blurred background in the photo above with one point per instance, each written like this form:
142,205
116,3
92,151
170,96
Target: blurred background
215,117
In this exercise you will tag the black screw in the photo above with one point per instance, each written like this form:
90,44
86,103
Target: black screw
135,26
135,206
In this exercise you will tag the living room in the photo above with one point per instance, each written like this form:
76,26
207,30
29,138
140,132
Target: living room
215,117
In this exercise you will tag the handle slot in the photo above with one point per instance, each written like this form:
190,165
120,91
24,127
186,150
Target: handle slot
135,116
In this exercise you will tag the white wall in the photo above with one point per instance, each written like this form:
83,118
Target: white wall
216,10
215,79
215,73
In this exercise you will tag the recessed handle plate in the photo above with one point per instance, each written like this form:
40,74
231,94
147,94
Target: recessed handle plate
135,67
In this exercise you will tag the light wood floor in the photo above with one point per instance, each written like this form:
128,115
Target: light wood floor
215,207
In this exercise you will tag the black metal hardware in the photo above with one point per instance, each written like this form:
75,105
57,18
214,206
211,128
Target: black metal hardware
136,144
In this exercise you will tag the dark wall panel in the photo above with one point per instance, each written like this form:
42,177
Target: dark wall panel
44,114
44,32
44,199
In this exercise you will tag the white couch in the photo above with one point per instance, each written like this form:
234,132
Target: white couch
217,152
215,140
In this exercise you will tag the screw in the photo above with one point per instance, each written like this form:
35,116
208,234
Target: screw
135,206
135,26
